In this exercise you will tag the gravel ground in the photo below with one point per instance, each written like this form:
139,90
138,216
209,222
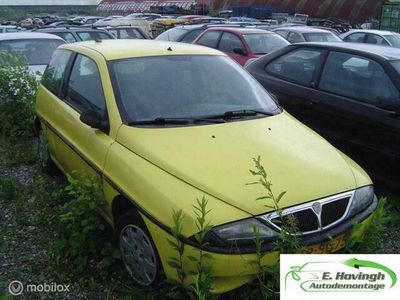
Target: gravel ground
26,237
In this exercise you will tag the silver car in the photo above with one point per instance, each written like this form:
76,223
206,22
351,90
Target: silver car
375,37
36,47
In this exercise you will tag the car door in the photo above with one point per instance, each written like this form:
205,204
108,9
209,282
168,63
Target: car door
351,87
291,77
79,147
232,45
209,39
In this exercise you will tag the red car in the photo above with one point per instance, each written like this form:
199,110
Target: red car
241,44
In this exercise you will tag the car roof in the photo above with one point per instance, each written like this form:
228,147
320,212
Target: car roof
243,30
119,49
28,35
379,32
388,53
68,29
302,29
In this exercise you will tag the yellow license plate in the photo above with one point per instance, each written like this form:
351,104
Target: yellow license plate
331,246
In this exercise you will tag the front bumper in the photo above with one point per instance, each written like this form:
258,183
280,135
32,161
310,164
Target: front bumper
232,268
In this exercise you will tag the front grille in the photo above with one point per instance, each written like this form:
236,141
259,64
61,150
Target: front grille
317,215
333,211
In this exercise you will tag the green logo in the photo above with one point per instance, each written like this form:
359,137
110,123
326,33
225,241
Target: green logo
349,275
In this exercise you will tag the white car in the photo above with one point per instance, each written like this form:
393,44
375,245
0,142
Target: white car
376,37
36,47
8,28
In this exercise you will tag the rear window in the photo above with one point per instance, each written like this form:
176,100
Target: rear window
36,51
262,43
93,35
321,37
173,34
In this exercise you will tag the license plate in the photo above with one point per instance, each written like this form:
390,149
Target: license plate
331,246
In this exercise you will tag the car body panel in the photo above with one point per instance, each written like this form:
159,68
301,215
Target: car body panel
228,149
368,133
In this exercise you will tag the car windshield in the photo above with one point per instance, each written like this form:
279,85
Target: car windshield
183,86
394,40
36,51
93,35
171,35
321,37
262,43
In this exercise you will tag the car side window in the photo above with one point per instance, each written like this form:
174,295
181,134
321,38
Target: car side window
356,77
130,34
294,37
54,74
114,33
298,65
210,39
84,88
229,42
376,40
282,33
358,37
67,36
191,36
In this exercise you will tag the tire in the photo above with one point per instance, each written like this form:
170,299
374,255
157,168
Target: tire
138,251
44,159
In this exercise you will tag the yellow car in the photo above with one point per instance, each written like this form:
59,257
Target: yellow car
161,124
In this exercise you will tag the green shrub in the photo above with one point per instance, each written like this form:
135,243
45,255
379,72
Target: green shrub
8,188
81,229
18,89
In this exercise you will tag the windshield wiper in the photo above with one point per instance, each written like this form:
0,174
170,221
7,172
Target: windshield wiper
174,121
161,121
237,114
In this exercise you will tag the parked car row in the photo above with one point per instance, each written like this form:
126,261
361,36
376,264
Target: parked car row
162,123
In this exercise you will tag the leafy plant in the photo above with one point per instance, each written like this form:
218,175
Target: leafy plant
370,241
178,246
8,188
203,283
80,226
287,241
202,273
18,87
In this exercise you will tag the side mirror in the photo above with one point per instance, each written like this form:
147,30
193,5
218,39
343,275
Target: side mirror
93,120
390,104
240,51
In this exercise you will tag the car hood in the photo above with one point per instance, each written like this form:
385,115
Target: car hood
216,159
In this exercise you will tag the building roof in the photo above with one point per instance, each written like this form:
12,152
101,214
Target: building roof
119,49
47,2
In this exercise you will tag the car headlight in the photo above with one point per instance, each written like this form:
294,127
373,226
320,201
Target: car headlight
363,197
241,232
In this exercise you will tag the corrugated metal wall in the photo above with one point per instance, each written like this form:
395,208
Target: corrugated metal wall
355,10
47,2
